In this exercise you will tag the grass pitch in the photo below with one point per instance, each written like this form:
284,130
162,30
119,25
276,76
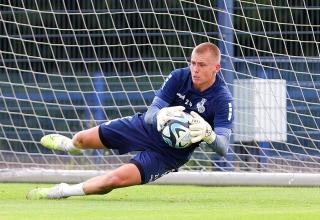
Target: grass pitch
166,202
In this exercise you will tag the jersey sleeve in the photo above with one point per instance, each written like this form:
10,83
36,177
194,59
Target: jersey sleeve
169,88
151,115
225,115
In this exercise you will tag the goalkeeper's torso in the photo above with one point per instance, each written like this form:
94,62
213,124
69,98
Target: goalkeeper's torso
214,104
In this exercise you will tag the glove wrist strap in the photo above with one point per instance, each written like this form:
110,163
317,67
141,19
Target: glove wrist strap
210,137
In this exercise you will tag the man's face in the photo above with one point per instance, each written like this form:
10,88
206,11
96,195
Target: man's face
203,70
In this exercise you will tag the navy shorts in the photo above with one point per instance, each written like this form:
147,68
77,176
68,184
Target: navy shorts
154,158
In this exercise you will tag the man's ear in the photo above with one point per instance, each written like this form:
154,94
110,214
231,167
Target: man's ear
217,67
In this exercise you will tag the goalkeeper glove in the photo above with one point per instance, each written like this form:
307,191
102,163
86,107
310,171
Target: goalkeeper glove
165,114
200,129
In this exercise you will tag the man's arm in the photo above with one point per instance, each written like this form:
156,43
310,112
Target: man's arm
200,130
159,112
163,97
151,114
221,144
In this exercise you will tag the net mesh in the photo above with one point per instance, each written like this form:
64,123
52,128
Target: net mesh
66,66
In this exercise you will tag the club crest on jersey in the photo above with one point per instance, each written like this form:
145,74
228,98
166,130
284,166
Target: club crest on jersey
200,105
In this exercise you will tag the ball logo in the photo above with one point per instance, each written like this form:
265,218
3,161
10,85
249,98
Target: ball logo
176,132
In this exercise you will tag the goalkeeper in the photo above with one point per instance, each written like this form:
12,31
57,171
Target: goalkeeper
197,89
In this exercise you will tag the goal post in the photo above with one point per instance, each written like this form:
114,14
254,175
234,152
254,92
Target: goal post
66,66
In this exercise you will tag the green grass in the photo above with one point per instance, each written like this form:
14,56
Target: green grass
167,202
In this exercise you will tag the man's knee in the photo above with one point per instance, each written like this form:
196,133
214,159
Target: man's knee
88,139
114,181
78,139
126,175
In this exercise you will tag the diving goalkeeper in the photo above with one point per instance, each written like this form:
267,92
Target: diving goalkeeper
197,89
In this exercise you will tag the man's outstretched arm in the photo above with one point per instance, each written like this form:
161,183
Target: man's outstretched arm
221,143
156,105
200,130
159,113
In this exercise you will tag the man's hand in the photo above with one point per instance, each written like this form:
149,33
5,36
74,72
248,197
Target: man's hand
165,114
200,129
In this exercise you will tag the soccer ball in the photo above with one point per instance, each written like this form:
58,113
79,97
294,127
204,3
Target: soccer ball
176,131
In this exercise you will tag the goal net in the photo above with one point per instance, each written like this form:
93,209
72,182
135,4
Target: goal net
66,66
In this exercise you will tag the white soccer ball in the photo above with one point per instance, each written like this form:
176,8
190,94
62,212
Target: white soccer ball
176,131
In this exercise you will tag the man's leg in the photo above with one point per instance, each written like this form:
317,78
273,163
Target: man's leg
86,139
126,175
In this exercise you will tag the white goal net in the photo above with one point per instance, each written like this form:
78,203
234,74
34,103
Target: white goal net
69,65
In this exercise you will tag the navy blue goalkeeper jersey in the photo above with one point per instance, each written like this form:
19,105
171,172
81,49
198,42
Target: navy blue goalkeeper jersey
215,104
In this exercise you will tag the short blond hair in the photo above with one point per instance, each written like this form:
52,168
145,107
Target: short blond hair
210,47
